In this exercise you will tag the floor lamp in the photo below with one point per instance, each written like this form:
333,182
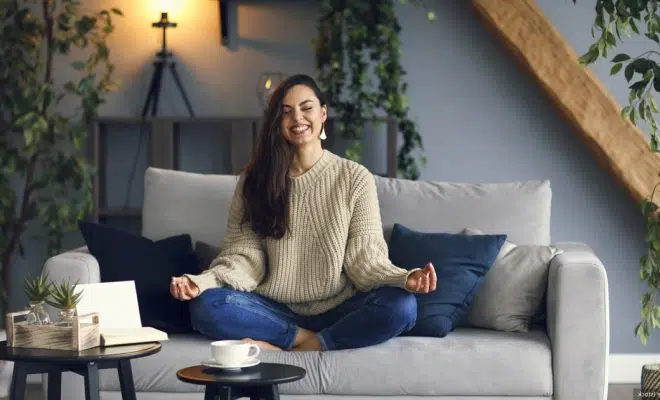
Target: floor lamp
163,59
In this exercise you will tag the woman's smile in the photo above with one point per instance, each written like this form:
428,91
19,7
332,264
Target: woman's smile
300,130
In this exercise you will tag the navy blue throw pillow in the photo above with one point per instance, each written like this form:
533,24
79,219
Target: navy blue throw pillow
123,256
461,263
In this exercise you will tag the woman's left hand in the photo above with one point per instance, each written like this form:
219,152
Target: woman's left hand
422,281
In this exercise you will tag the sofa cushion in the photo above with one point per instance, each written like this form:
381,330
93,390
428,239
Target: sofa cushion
461,263
185,202
466,362
157,373
521,210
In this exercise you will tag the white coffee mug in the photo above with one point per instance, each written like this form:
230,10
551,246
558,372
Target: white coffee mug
233,352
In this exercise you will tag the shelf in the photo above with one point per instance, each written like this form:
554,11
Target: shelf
174,120
120,212
166,137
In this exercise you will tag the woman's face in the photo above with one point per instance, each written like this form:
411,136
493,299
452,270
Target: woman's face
302,116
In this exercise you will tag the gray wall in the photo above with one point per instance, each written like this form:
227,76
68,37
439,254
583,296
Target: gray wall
481,117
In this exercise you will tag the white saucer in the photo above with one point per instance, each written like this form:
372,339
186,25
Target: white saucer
250,362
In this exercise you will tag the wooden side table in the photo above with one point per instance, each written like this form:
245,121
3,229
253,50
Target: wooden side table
258,382
86,363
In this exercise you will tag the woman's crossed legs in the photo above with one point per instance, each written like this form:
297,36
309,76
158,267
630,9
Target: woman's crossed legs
366,319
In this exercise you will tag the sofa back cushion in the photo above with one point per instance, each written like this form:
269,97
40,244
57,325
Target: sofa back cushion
521,210
177,202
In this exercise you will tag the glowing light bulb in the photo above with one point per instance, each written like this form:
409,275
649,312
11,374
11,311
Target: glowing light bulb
166,5
175,9
268,83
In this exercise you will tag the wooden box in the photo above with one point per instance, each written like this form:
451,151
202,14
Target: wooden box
80,336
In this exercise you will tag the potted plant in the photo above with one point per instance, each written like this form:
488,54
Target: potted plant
65,297
45,180
614,20
37,290
355,40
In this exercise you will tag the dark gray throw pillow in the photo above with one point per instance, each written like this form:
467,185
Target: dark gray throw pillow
123,256
205,254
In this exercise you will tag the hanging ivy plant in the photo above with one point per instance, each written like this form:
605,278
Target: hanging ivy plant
357,40
613,23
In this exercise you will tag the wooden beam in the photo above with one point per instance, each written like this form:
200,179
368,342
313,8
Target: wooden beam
617,144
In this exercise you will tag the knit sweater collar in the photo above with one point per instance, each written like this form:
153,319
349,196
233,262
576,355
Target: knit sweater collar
301,182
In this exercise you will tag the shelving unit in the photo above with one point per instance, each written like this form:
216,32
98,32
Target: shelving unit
167,142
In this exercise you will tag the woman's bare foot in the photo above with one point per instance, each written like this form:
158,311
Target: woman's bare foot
263,345
311,344
302,335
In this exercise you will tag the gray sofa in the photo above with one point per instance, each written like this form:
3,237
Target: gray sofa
564,359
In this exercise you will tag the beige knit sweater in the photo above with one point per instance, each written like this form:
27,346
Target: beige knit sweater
335,246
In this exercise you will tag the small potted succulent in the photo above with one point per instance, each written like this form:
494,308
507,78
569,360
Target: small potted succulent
64,298
37,290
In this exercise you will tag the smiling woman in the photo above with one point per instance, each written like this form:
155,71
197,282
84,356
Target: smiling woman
303,118
304,245
289,144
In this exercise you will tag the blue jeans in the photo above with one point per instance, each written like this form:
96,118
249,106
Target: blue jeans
363,320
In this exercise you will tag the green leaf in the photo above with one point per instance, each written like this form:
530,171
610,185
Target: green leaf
30,137
656,312
85,25
629,71
624,112
644,301
641,65
611,40
620,57
616,68
653,36
656,244
648,207
648,76
634,26
70,87
117,11
103,50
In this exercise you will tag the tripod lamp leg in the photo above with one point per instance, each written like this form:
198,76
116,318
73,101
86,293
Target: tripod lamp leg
175,74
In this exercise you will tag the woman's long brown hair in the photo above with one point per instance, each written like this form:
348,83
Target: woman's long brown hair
267,186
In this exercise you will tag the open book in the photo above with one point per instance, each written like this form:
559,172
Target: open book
119,313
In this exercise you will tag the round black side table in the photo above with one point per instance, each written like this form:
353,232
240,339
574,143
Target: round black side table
86,363
258,382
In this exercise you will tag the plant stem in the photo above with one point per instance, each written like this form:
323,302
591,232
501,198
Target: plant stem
48,15
18,226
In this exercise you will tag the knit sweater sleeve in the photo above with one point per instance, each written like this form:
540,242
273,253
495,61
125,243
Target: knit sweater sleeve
366,261
241,262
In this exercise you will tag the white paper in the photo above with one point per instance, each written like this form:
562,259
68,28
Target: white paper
116,303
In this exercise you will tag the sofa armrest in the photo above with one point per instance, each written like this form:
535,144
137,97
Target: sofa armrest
75,265
578,323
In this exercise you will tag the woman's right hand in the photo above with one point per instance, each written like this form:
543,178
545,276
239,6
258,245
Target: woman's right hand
182,288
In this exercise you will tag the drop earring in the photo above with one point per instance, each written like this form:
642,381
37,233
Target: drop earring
323,135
